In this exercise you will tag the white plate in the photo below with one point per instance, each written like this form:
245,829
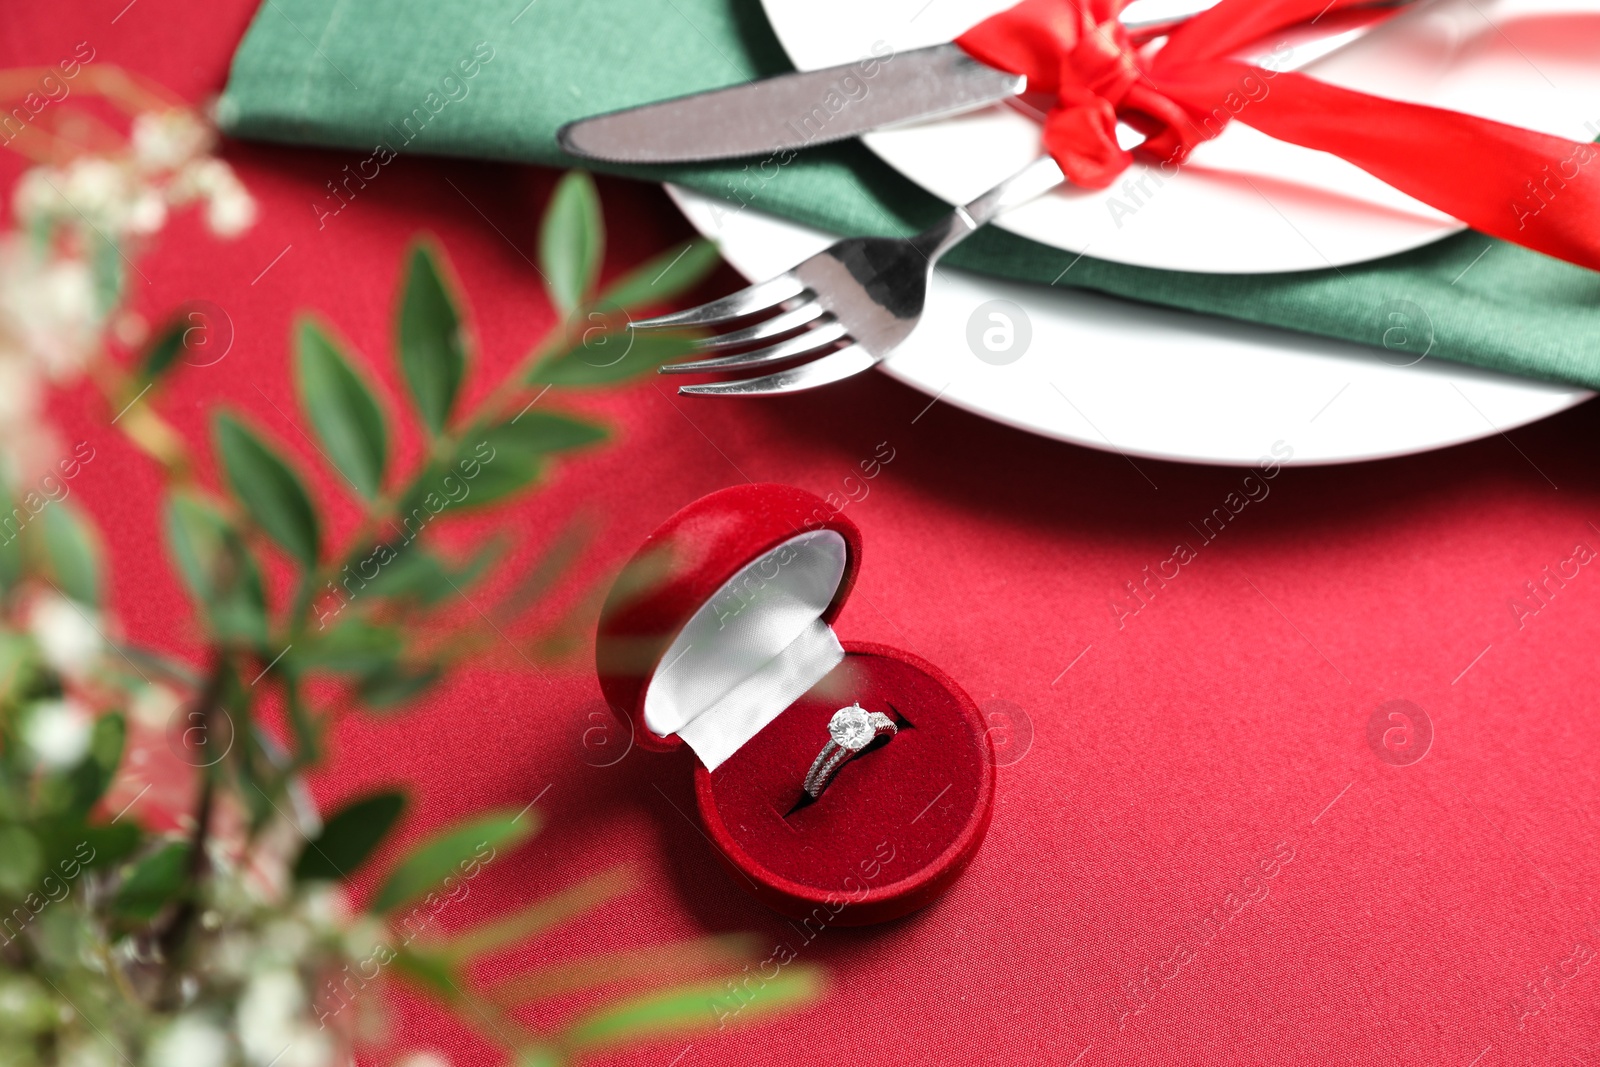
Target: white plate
1245,203
1147,381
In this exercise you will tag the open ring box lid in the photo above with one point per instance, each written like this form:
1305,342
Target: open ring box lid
717,635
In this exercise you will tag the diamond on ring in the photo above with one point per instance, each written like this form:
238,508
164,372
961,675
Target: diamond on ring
850,731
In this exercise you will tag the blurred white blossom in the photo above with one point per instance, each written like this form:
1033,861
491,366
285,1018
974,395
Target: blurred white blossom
49,313
271,1002
325,906
154,705
229,208
189,1041
63,276
365,936
99,189
166,140
66,635
90,1052
424,1059
58,733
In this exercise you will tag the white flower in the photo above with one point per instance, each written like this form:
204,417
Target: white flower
165,140
365,936
19,390
130,327
424,1059
58,731
272,1002
147,213
92,1052
97,187
38,194
190,1041
154,706
66,636
304,1046
325,905
230,954
230,210
272,1027
49,308
285,940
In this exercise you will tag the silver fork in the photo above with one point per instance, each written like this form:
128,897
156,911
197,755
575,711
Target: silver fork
859,299
866,293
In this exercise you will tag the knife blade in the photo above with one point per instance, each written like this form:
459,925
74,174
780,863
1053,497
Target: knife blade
806,108
792,111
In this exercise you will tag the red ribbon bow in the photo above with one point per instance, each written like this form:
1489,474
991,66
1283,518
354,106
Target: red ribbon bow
1530,188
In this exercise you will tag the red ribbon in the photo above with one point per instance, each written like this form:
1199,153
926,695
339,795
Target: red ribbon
1529,188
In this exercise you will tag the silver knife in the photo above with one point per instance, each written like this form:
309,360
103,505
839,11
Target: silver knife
792,111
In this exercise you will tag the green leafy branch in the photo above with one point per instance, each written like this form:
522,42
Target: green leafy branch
362,621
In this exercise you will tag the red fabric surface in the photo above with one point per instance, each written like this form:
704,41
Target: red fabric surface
1494,177
1200,857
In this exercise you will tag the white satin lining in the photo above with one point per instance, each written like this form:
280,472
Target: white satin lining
750,651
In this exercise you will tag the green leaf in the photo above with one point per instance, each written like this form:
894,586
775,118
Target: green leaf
269,490
11,562
429,970
305,726
72,552
511,455
348,838
543,432
354,646
571,241
536,918
689,1007
21,860
163,350
409,572
19,668
605,355
71,847
90,779
341,407
153,883
491,463
507,472
106,268
393,685
659,280
433,354
219,571
456,853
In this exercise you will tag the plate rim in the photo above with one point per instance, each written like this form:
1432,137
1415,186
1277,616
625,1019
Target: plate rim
1575,395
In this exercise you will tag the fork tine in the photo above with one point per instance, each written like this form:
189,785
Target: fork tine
773,327
800,344
747,301
830,368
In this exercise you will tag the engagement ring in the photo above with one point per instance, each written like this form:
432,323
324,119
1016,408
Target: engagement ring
850,730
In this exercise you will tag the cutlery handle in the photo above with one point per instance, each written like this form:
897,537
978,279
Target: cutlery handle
1032,181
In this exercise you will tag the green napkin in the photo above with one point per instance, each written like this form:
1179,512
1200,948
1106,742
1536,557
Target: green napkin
497,78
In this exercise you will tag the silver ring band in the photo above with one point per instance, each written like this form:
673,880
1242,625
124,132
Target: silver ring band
849,731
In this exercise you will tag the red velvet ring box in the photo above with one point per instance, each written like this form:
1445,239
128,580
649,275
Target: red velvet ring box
717,634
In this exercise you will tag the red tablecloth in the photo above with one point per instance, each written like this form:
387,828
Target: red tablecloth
1206,755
